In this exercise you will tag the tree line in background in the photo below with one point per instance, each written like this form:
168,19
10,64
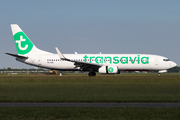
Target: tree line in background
174,70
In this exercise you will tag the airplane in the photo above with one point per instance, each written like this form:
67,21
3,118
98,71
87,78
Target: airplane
29,54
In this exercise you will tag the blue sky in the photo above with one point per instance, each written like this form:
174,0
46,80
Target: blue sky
93,26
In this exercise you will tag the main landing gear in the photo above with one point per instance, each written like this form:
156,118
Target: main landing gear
92,73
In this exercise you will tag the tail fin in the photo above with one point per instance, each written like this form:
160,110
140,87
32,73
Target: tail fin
23,44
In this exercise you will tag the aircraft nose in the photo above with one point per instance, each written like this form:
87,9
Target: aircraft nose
173,64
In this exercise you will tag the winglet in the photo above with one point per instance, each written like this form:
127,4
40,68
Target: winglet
61,56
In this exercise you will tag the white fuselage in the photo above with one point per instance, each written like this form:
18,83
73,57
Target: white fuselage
129,62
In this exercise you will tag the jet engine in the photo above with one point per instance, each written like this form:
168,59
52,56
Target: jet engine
109,70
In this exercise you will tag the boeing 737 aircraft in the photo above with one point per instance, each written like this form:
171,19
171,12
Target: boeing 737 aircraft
103,63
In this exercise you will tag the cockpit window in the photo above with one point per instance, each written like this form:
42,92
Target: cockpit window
166,59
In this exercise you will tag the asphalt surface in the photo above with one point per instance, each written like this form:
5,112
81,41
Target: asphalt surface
89,104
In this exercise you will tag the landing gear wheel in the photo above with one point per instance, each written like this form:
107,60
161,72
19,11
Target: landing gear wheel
158,74
92,73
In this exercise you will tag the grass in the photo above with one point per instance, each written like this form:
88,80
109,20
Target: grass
73,113
120,88
81,88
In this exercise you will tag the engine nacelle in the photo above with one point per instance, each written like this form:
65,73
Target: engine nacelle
108,70
162,71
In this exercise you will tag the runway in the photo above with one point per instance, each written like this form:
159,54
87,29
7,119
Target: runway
89,104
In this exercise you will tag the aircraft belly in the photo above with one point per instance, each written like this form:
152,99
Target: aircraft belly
132,67
60,65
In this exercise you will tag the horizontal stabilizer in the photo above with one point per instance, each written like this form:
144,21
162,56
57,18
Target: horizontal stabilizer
15,55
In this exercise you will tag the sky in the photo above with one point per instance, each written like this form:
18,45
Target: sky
92,26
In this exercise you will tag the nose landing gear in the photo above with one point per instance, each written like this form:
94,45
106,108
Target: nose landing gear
158,74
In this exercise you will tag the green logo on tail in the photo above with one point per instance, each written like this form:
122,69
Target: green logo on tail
23,44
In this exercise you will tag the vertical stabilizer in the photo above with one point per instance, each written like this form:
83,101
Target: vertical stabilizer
23,44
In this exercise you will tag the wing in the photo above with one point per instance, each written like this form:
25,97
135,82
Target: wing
84,66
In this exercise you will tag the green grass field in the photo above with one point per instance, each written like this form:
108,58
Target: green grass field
81,88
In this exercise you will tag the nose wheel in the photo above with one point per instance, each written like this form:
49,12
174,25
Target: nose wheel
158,74
92,73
